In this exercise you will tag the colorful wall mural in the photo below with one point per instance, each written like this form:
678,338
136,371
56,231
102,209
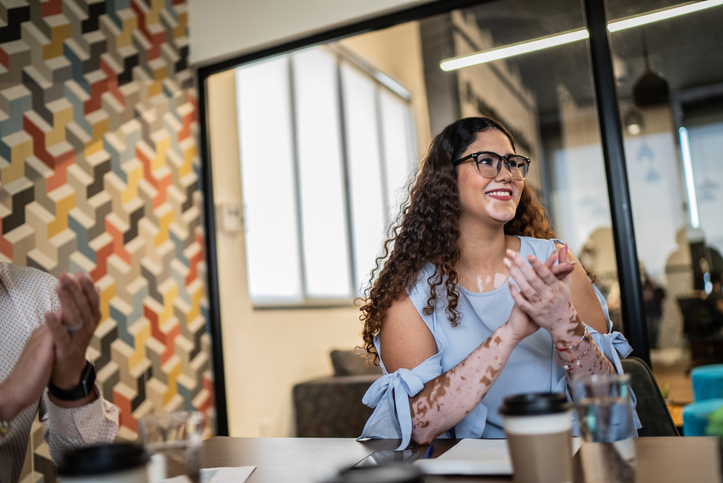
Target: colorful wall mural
100,174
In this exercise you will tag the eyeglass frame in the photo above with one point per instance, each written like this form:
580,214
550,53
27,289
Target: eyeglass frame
505,159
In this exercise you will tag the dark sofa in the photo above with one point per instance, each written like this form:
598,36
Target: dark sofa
331,407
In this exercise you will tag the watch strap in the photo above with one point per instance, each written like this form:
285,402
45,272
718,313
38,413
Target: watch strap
82,390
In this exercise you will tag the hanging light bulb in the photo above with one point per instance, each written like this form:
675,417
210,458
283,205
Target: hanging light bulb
633,121
651,88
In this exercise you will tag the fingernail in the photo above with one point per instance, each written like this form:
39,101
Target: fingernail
572,262
506,262
510,252
531,257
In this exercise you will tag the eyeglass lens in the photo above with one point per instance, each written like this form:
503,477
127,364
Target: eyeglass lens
488,165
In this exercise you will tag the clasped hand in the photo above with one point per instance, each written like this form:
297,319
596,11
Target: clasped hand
53,353
544,291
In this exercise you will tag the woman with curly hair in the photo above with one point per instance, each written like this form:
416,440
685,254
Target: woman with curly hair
471,274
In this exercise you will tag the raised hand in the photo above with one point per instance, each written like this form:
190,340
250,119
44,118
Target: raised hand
72,327
520,324
544,297
31,374
564,268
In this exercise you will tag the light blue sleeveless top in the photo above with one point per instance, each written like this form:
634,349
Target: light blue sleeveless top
530,368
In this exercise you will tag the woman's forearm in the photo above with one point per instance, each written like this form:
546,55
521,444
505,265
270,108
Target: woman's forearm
587,358
448,398
577,352
9,407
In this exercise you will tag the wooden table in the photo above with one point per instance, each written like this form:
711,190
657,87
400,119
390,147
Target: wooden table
308,460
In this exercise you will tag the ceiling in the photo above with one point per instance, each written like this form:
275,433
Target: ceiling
687,50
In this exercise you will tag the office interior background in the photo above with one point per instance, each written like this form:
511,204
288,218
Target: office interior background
311,147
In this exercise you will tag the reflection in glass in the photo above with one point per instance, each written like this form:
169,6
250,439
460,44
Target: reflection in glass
668,79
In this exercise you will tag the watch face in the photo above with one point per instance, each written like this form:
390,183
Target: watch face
87,379
82,390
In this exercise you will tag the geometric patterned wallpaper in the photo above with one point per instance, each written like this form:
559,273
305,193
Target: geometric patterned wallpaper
100,173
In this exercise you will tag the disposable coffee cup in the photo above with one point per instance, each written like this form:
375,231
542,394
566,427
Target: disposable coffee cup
539,436
109,463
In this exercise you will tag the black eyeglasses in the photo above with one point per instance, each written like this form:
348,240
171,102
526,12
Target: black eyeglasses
489,164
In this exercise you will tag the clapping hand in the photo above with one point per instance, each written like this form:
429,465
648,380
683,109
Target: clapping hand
55,351
520,322
544,293
72,327
564,268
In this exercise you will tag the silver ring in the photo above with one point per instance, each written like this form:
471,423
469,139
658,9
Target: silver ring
75,328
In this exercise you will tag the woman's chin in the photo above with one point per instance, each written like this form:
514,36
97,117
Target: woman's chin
500,217
503,218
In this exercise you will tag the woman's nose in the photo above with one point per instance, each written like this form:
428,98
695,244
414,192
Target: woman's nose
504,174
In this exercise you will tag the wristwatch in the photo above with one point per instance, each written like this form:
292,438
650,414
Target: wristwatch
82,390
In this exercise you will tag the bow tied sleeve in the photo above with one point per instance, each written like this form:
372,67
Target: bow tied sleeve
389,396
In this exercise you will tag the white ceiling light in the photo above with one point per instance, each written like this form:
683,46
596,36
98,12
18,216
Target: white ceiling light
689,179
661,14
514,49
571,36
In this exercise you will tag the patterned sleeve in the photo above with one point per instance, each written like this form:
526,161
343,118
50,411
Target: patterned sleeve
33,292
70,428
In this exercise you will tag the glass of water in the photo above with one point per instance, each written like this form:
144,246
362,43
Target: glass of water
605,416
174,442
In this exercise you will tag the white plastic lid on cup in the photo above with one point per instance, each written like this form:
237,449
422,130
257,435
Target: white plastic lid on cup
536,413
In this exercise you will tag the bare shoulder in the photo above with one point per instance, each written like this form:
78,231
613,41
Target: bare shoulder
513,242
405,340
584,298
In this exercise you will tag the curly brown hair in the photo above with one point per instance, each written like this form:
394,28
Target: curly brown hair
427,230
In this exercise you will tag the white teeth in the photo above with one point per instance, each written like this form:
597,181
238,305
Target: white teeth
499,193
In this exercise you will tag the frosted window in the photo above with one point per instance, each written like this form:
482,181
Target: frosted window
398,159
706,144
323,208
268,181
319,191
368,217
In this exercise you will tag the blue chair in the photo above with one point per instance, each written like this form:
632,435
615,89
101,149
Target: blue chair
695,416
707,382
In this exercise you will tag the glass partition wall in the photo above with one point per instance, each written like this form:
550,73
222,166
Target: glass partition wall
329,135
670,96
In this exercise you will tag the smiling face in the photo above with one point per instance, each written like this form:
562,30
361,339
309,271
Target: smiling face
487,199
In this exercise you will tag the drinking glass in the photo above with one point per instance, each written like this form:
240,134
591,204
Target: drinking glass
605,416
174,442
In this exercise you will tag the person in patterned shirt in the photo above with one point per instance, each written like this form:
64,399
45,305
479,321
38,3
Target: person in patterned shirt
46,326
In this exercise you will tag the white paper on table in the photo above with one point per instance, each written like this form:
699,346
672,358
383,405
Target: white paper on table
218,475
475,457
226,475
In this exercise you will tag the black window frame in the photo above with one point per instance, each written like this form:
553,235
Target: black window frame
611,138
